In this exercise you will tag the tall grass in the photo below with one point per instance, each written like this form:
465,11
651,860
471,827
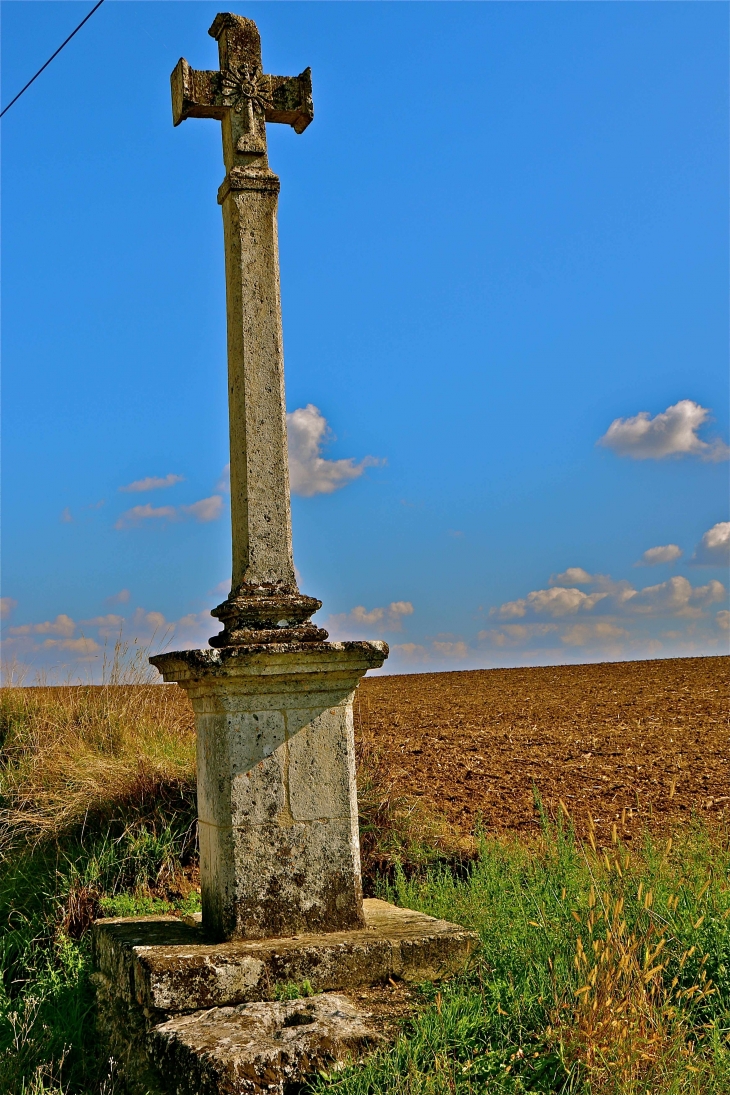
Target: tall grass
600,972
81,751
97,815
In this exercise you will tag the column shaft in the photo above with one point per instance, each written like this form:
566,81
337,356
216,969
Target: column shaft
260,509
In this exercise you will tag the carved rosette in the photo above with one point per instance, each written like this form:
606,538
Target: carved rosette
242,86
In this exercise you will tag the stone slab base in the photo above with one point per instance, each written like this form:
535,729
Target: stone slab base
173,1005
263,1047
166,965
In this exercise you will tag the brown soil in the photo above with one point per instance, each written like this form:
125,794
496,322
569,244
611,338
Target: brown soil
629,742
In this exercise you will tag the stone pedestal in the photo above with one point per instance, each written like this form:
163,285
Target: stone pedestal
187,1016
277,800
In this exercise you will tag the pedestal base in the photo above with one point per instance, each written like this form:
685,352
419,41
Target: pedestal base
177,1010
277,801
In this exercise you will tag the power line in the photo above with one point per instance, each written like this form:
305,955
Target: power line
40,70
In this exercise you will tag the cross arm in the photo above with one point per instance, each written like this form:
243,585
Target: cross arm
199,94
195,93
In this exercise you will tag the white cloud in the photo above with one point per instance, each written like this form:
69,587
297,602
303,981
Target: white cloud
514,634
573,576
120,598
207,509
675,597
224,483
397,610
153,482
671,433
81,647
613,619
309,472
597,633
653,556
108,626
412,653
361,615
557,601
451,649
147,512
66,516
714,547
62,625
7,606
389,618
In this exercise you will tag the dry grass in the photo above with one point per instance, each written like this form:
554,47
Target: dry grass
636,1015
74,752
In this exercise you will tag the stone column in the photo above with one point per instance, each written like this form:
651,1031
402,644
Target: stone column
260,511
277,800
277,803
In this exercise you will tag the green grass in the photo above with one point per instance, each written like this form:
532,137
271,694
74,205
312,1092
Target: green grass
48,896
514,1023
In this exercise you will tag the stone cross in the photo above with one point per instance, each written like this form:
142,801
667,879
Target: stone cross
265,604
277,800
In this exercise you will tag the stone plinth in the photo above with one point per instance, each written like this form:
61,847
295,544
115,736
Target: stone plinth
164,964
177,1010
277,800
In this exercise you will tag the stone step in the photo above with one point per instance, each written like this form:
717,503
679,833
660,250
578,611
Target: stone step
260,1048
166,965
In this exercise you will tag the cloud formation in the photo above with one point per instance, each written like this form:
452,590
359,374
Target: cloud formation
669,553
62,625
555,601
153,482
675,597
389,618
309,472
573,576
207,509
714,547
82,644
137,514
7,606
120,598
450,649
671,433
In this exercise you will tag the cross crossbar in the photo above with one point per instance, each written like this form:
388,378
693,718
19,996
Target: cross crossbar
198,93
240,94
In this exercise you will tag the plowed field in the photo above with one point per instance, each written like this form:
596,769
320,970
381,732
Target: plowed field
631,742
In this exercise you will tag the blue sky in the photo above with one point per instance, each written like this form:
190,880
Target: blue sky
504,278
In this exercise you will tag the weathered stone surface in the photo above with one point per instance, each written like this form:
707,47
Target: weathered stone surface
277,802
257,1048
265,604
168,966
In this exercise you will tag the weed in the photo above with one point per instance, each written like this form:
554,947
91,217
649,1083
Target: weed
290,990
